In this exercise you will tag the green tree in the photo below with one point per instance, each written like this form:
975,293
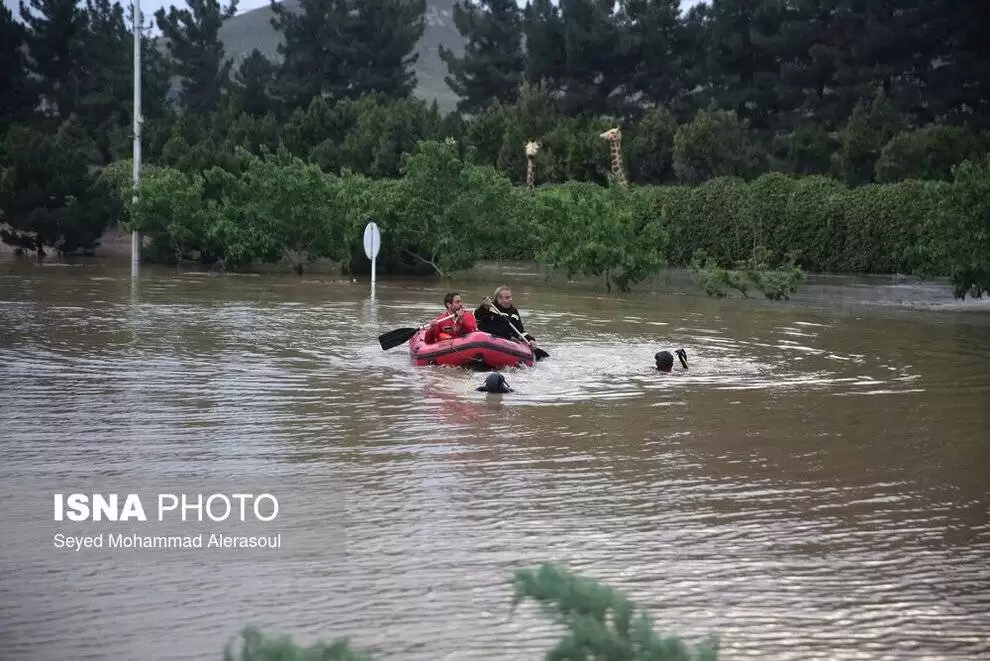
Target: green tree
593,78
959,78
837,52
649,151
543,30
254,84
312,50
54,35
493,61
745,47
382,39
968,232
650,49
714,144
694,63
382,131
254,134
18,98
534,111
106,77
595,231
486,132
819,75
573,151
173,210
894,52
279,207
928,153
810,150
343,49
316,126
118,178
193,37
532,118
446,212
50,198
870,127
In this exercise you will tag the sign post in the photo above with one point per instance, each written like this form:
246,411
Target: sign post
372,244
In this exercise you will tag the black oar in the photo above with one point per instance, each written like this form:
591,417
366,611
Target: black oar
538,353
394,338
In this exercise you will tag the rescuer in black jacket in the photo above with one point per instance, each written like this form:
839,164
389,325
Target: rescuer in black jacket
490,321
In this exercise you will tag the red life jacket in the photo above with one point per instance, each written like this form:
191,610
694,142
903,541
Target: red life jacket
450,328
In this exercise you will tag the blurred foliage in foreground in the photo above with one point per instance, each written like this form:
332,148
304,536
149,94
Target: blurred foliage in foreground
599,623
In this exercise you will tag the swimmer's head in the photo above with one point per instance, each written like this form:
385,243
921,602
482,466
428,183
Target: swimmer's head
495,383
664,360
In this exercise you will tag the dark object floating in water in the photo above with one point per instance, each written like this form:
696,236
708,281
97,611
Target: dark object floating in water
665,359
495,383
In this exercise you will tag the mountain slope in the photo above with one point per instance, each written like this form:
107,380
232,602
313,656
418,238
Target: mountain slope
253,29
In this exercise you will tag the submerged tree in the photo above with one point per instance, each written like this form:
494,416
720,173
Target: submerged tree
968,234
599,621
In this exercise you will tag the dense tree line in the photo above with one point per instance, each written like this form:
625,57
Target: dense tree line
860,93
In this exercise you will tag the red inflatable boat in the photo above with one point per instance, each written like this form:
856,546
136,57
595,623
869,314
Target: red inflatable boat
476,350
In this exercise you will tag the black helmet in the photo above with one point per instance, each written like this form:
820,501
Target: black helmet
665,360
495,382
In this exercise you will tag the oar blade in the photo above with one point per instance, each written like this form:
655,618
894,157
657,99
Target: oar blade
539,353
394,338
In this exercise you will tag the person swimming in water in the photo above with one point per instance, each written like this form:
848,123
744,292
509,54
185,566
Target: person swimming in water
665,360
495,383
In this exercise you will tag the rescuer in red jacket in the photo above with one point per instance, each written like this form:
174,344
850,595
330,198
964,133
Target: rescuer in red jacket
462,324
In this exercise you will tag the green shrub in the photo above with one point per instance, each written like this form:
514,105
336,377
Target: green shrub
446,212
816,223
595,231
967,230
928,153
599,622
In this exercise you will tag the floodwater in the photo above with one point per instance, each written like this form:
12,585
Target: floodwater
815,486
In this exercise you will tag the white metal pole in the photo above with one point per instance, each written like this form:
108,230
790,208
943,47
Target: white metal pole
373,278
135,238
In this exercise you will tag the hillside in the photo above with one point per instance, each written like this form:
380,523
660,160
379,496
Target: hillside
253,29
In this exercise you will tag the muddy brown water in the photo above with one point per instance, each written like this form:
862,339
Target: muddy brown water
815,486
